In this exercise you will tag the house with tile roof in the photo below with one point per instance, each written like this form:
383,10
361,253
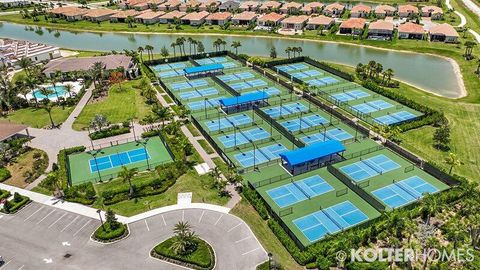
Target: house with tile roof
99,15
320,21
249,6
443,32
229,5
189,6
353,26
382,11
149,17
295,22
172,16
334,10
270,6
360,11
244,18
291,8
407,11
312,7
195,18
270,19
218,18
410,30
209,5
169,5
434,12
381,29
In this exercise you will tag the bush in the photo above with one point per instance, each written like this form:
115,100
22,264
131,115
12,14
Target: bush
4,174
4,194
256,202
17,197
62,163
108,234
11,207
202,258
83,193
109,132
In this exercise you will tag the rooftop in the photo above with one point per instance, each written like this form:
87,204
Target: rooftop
361,8
411,28
95,13
407,8
312,152
126,13
271,17
270,5
84,63
247,4
296,19
320,20
384,9
150,15
293,5
443,29
357,23
219,16
173,14
381,25
335,6
13,50
245,16
195,16
432,9
312,5
245,98
8,129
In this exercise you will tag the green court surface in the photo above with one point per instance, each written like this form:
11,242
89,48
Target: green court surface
105,163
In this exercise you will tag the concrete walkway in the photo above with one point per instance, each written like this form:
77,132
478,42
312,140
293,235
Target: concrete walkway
463,21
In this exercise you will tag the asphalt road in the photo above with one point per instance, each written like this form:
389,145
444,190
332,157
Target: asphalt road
43,237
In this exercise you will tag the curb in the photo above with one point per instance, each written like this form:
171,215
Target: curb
110,242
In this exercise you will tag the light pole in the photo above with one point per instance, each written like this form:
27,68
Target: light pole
144,144
101,220
94,153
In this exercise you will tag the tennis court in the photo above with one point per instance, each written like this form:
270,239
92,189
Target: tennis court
394,118
165,67
372,106
235,77
285,109
228,122
304,122
104,164
118,159
405,191
244,136
260,155
306,74
210,91
298,191
292,67
330,220
367,168
212,60
271,91
350,95
177,86
331,134
207,103
248,84
322,81
170,73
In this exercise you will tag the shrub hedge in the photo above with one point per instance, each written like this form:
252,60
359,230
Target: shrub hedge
62,172
202,258
109,132
16,204
255,200
4,174
109,235
83,193
4,194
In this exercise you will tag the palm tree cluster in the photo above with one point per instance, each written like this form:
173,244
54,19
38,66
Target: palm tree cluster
374,71
185,239
293,50
218,43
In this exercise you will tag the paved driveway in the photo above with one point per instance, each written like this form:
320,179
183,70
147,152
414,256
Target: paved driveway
43,237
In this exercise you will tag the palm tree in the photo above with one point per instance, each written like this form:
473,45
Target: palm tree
149,49
173,45
25,63
96,73
127,175
190,41
453,161
162,113
299,50
288,50
69,89
389,73
200,47
130,20
236,45
140,51
430,206
469,48
184,241
149,93
181,44
53,81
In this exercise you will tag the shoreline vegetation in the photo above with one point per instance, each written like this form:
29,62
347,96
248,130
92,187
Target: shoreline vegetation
404,46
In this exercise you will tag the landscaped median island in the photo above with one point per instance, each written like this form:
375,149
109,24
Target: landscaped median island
111,230
185,249
11,206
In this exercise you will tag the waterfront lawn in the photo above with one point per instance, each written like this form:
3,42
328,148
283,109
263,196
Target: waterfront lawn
38,117
120,105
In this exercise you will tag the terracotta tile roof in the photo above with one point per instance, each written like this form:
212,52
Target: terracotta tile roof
171,3
381,25
95,13
411,28
380,9
155,2
172,15
126,13
63,10
271,17
432,9
407,8
270,5
312,5
334,6
245,16
77,12
292,5
443,29
296,19
361,8
320,20
219,16
141,4
357,23
210,3
150,15
196,16
247,4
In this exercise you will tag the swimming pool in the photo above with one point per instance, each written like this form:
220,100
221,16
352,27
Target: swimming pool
59,89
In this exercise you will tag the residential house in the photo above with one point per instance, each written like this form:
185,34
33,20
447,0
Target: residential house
99,15
270,6
172,16
128,4
353,26
291,8
14,3
210,5
320,21
149,17
231,6
192,5
122,15
382,11
244,18
443,32
334,10
270,19
249,6
312,7
141,6
195,18
61,11
11,51
380,29
434,12
218,18
407,11
410,30
295,22
74,15
169,5
360,11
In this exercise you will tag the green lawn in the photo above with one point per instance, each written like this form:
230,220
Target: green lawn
190,182
37,117
203,255
120,105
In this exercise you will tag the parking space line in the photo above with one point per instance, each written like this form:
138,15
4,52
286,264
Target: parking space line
71,222
235,227
45,216
183,215
7,263
88,221
218,219
21,267
146,224
200,220
51,225
243,239
248,252
165,223
34,213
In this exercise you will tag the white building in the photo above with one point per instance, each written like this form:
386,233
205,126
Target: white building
11,51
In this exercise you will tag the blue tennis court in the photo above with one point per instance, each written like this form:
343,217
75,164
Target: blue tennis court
201,104
213,60
164,67
170,73
243,137
404,192
322,81
330,220
313,72
394,118
228,78
370,167
228,122
372,106
350,95
229,65
331,134
244,75
298,191
260,155
118,159
304,122
239,86
257,83
285,109
271,91
292,67
188,84
198,93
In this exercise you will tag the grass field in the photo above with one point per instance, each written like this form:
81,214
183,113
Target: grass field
120,105
81,168
38,117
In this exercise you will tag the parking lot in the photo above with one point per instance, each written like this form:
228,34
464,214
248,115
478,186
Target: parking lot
44,237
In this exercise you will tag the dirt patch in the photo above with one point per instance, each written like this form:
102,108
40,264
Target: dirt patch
22,167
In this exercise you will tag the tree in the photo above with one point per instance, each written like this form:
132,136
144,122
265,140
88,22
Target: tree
190,41
25,63
111,219
174,45
164,52
150,94
181,45
127,175
149,49
455,230
469,48
7,205
162,113
429,206
453,161
117,78
185,239
236,45
130,20
441,136
473,226
47,106
140,51
288,50
200,47
99,121
69,89
273,52
96,72
389,73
